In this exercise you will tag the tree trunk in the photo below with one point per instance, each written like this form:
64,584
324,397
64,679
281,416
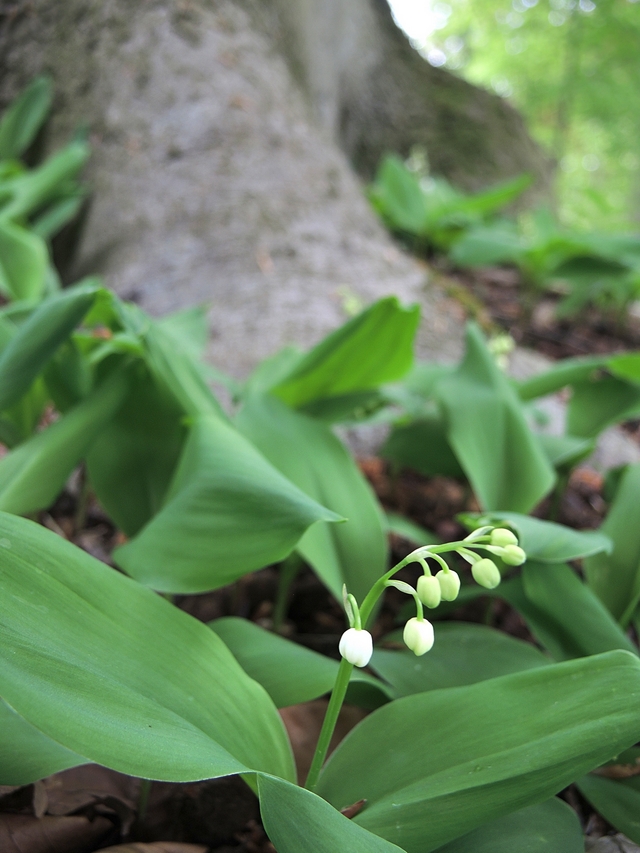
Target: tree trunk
219,171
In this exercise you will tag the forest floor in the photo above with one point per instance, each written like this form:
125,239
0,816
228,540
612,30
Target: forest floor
89,808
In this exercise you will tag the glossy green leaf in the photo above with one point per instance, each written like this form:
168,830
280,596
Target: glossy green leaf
23,262
24,117
489,434
290,673
462,654
597,403
34,473
116,674
615,577
447,761
563,613
133,459
549,827
617,800
373,348
39,337
308,453
227,512
548,542
297,820
26,754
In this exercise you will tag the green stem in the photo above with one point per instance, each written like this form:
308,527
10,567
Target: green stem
82,503
288,572
329,724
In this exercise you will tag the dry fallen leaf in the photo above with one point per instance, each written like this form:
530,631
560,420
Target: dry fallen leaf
21,833
156,847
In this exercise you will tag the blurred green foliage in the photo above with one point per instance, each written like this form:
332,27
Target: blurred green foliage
572,67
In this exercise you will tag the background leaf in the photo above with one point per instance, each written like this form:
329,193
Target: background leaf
24,117
308,453
549,827
373,348
462,654
617,800
615,577
290,673
227,512
489,434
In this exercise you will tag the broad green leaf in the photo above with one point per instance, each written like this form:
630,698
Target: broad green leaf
308,453
373,348
23,262
548,542
39,337
563,613
423,446
57,215
227,512
289,673
173,364
398,197
549,827
489,434
617,800
190,327
615,577
597,403
435,765
24,117
33,474
116,674
625,366
26,754
565,451
402,526
565,372
20,420
297,820
32,190
485,245
351,408
133,459
462,654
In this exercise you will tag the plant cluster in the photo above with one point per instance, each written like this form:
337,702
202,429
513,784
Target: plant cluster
589,268
464,748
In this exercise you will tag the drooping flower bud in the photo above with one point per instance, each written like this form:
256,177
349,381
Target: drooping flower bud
503,537
356,646
513,555
486,573
429,591
449,584
418,635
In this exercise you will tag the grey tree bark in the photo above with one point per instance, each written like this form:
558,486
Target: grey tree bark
223,134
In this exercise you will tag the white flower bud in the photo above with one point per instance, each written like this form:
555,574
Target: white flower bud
429,591
513,555
356,646
418,635
449,584
486,573
503,537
